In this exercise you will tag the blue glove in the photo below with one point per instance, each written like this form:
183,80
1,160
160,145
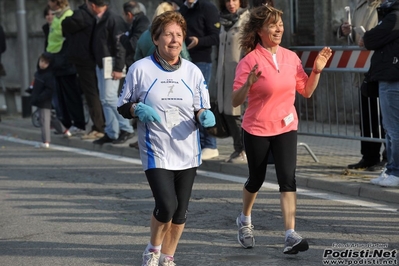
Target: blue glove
207,119
146,113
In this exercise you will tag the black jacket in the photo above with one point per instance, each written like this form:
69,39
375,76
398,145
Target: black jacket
3,45
203,22
46,31
384,40
78,29
140,24
105,42
43,87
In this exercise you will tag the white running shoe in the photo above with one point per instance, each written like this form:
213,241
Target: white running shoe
76,131
245,234
151,258
42,145
381,177
168,261
390,181
67,134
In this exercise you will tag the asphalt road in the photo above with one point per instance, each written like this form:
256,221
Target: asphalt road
66,206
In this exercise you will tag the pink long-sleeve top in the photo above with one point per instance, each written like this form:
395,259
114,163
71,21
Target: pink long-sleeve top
271,109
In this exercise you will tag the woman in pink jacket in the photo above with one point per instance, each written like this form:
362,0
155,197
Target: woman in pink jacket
269,77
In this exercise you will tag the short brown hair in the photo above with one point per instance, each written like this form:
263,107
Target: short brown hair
159,23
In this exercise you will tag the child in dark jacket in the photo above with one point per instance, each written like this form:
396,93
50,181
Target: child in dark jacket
42,95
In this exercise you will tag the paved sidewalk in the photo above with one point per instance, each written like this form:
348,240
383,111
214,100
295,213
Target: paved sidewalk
329,174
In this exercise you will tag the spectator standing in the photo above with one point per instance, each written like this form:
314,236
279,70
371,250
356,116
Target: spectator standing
142,8
233,15
365,15
78,29
269,77
167,130
384,40
139,23
42,95
68,99
105,43
146,47
3,45
135,17
3,48
203,26
48,16
176,4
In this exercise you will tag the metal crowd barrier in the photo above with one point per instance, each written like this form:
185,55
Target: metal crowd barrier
334,109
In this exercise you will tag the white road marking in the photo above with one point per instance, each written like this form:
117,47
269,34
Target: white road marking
308,192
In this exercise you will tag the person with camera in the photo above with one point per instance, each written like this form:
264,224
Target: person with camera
384,40
3,48
365,15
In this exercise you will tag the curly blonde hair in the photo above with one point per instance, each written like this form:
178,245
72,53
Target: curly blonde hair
163,7
261,15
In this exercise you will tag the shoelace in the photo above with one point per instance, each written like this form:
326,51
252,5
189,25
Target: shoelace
168,263
247,230
152,261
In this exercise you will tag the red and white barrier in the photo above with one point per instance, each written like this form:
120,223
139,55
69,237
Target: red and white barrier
341,59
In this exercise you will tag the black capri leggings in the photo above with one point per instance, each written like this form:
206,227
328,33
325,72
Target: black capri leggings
284,150
172,192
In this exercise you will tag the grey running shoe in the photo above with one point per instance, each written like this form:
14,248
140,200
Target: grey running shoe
151,258
245,234
168,261
295,243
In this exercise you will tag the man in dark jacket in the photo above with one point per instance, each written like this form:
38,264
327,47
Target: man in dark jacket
203,26
365,15
3,45
107,48
2,50
384,40
139,23
78,29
